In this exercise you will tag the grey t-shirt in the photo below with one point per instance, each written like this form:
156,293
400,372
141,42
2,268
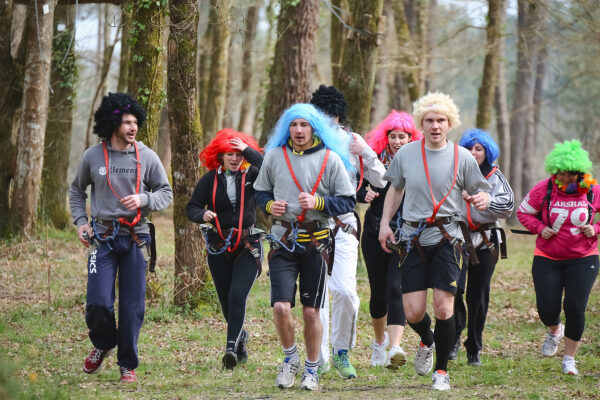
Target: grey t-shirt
275,177
407,172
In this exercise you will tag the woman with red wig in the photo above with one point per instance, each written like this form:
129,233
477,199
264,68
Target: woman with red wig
385,305
224,197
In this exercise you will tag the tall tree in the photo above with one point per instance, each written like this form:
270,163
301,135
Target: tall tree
186,142
359,59
340,16
11,93
217,87
146,76
30,140
125,50
523,91
290,77
501,103
251,21
485,101
58,133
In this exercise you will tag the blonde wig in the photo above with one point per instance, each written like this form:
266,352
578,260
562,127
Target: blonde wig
437,102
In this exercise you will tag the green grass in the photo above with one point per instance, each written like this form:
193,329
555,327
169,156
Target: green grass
43,339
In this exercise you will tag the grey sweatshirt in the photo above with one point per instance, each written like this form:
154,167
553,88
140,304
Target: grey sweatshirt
155,191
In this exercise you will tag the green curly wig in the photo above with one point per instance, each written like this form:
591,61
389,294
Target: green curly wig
568,156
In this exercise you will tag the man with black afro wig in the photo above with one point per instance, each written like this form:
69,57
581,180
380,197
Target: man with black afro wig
128,182
109,115
342,282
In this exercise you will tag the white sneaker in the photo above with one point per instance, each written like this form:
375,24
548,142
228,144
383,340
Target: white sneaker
569,367
424,359
440,380
550,345
309,381
286,373
396,358
378,355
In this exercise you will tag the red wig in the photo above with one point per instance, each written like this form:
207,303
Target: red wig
395,120
209,157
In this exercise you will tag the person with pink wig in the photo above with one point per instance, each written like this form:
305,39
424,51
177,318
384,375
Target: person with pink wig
224,197
385,304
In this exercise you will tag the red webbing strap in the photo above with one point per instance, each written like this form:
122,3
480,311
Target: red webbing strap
436,206
362,173
137,183
239,228
472,226
314,189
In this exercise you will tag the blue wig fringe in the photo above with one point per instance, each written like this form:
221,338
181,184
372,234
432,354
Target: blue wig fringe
323,126
472,136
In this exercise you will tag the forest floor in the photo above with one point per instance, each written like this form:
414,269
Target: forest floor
43,338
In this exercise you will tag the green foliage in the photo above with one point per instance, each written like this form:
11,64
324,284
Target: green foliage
65,66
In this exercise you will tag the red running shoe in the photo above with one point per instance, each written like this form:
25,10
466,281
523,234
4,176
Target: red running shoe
93,362
128,375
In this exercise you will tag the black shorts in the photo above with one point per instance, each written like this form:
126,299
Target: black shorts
284,268
440,272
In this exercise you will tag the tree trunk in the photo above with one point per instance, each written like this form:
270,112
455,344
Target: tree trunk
58,133
358,62
30,141
338,36
11,93
217,87
146,76
231,110
204,70
408,57
125,51
523,92
501,104
485,100
186,142
245,123
291,73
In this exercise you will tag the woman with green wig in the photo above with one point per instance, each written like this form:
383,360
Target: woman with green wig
560,210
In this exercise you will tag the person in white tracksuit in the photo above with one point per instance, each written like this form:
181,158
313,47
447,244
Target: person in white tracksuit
342,282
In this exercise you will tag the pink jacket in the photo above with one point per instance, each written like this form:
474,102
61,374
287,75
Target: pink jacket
568,212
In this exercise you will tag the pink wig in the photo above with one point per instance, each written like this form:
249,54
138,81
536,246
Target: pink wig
378,139
209,157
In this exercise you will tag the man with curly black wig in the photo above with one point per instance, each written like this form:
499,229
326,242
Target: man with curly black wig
342,283
127,182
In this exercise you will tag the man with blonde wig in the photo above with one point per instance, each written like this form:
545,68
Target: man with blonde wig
432,175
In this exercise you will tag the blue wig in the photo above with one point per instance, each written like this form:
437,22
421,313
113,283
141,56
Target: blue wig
323,127
472,136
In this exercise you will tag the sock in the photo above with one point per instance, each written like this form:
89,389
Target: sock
291,354
568,358
311,366
338,351
444,336
423,329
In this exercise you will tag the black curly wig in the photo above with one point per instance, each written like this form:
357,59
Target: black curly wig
109,115
331,101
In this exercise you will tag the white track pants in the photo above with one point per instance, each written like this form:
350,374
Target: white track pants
344,299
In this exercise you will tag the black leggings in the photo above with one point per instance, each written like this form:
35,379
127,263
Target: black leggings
385,281
478,298
233,275
576,277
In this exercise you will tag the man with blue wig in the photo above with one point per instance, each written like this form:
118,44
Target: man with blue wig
302,182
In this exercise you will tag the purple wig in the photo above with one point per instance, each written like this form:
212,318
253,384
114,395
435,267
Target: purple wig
395,120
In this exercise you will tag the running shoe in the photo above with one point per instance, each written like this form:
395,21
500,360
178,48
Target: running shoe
424,359
128,375
440,380
93,362
473,359
310,380
453,355
323,369
550,345
230,360
378,357
286,372
396,358
241,351
341,362
569,367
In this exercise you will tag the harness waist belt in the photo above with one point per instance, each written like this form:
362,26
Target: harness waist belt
308,226
486,227
109,222
442,220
